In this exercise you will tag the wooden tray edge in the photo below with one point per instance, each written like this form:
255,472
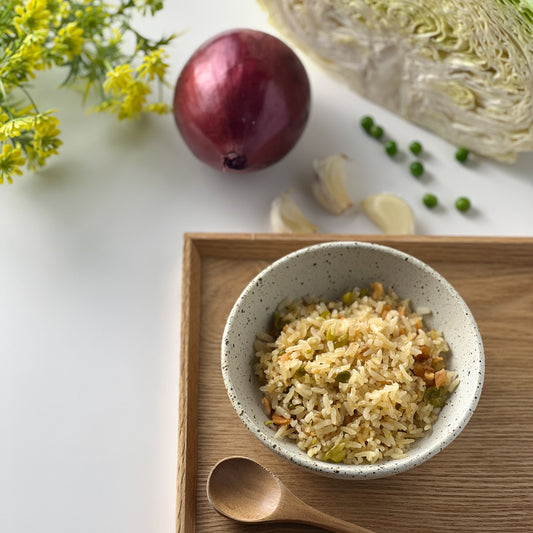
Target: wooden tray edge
188,387
271,246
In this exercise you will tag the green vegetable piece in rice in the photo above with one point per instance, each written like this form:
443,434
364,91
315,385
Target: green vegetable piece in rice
300,371
341,340
279,322
338,340
344,376
436,396
336,454
348,298
325,314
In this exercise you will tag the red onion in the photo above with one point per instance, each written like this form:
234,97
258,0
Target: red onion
242,100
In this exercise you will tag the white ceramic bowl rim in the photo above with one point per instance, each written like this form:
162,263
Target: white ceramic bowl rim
362,471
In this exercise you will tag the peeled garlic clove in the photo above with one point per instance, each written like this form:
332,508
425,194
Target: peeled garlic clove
391,213
287,217
329,188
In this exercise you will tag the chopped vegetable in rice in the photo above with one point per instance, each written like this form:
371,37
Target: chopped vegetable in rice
355,380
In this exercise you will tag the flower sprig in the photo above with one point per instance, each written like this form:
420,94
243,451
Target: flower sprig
101,53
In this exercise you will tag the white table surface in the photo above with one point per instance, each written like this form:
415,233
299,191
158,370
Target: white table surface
90,273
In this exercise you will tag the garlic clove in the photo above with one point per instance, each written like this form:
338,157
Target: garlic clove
287,217
329,187
391,213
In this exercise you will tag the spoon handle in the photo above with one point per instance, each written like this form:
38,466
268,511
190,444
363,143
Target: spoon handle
333,524
305,514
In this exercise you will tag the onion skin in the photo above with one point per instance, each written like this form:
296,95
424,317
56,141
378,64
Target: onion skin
242,101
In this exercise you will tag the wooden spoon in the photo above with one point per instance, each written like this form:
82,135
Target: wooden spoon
243,490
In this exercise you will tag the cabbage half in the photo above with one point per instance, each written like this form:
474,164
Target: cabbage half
460,68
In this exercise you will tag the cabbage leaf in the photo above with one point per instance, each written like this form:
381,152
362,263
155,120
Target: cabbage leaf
460,68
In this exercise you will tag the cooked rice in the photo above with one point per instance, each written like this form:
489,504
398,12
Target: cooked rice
339,377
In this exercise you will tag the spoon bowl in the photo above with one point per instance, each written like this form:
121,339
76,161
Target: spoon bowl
243,490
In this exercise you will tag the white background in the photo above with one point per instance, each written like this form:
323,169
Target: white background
90,272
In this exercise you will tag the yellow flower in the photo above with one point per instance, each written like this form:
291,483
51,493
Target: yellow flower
18,64
116,37
55,6
18,68
134,100
68,41
33,16
29,56
35,41
33,160
159,107
64,9
28,109
153,65
86,36
60,10
110,105
11,160
16,126
46,141
118,80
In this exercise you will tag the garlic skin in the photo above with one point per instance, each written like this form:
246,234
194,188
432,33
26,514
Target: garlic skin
329,188
287,217
390,212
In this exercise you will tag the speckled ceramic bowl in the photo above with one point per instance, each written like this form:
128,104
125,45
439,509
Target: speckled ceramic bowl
326,271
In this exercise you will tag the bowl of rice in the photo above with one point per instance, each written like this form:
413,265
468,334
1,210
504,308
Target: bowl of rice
352,359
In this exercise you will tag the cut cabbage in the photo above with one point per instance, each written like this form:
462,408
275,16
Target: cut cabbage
460,68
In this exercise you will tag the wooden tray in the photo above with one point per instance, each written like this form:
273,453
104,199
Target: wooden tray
482,482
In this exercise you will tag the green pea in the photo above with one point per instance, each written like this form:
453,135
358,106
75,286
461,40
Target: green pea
376,131
417,169
366,123
430,200
348,298
391,148
462,154
462,204
415,148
